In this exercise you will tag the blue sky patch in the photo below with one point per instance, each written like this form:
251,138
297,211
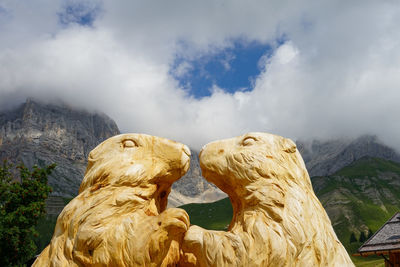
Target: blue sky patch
4,12
79,13
232,69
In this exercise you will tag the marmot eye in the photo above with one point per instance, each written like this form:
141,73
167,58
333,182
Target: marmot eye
129,143
248,141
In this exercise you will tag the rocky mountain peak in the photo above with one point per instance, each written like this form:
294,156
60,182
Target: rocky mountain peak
192,187
326,157
37,133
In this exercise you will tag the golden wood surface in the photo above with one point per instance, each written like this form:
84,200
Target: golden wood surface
119,216
277,219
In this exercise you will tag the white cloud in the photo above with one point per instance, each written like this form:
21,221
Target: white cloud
286,53
182,69
338,73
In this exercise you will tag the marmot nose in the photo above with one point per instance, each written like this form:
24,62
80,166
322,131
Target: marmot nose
186,150
201,151
185,159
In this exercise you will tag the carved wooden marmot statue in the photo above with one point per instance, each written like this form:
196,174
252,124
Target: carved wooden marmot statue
277,219
119,216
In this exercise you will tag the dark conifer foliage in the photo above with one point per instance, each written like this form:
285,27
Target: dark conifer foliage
22,203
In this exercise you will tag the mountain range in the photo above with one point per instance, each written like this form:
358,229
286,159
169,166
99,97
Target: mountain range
361,196
356,179
327,157
38,133
35,133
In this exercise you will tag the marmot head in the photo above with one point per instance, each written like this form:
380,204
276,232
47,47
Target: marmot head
136,160
256,164
275,210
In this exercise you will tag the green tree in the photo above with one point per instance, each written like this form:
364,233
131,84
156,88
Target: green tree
353,238
370,233
363,238
22,203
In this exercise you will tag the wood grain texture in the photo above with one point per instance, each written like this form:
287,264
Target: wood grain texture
277,219
119,216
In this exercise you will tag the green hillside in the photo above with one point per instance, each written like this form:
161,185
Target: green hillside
369,167
358,198
361,196
212,216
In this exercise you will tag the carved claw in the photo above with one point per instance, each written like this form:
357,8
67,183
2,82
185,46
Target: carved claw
175,218
194,236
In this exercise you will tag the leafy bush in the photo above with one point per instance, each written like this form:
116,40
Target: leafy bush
22,204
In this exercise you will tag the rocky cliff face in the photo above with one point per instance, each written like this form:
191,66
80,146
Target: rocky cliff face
193,188
41,134
326,157
35,133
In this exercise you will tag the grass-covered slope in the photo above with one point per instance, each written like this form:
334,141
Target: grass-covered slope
213,216
358,198
361,196
369,167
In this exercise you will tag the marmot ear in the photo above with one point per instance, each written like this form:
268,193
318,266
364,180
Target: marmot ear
289,146
92,158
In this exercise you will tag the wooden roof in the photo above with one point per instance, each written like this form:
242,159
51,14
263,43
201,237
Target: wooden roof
386,239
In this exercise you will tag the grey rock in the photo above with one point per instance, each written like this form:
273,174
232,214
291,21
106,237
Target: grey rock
36,133
192,184
41,134
192,187
327,157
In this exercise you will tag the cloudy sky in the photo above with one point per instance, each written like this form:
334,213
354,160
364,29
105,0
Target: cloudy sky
196,71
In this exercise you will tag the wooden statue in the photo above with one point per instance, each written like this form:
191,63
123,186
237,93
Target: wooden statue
119,216
277,219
